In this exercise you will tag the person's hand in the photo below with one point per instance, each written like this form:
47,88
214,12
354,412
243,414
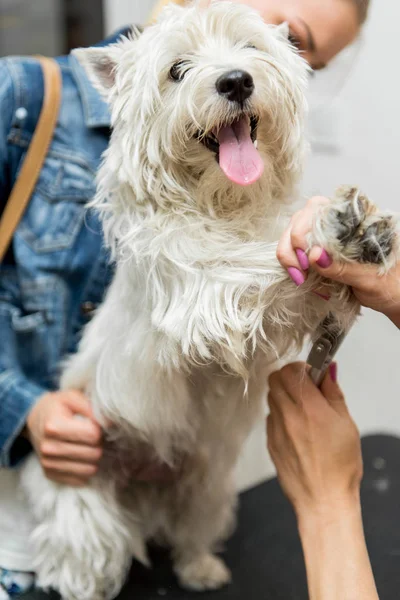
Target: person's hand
69,447
313,441
68,441
317,452
379,292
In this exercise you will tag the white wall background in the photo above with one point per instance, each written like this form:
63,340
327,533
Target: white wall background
369,156
124,12
364,123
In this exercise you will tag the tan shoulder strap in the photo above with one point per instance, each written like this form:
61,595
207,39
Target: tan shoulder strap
41,139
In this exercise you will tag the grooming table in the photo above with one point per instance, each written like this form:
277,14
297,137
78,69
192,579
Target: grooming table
265,553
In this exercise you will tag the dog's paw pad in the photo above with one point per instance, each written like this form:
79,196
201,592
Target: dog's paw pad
350,212
205,573
357,230
377,242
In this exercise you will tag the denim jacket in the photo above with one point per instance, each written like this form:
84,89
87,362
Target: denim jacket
57,269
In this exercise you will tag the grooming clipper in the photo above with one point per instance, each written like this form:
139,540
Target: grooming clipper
325,348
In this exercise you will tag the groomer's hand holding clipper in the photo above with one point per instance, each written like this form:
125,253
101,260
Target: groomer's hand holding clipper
324,349
316,449
313,440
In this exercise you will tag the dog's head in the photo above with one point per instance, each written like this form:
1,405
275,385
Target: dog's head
203,95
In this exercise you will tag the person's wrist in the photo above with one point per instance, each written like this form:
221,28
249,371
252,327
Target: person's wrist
27,431
329,510
335,552
30,420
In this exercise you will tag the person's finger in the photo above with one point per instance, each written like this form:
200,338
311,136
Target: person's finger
79,404
302,222
302,390
280,403
353,274
275,435
331,390
283,411
296,381
285,252
298,237
269,425
273,404
278,396
69,467
311,208
63,450
81,431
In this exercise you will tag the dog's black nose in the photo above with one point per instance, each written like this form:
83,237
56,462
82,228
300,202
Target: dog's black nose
235,86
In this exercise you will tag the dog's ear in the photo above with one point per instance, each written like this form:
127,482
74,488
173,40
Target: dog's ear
100,65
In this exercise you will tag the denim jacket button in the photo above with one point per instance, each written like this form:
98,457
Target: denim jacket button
21,113
87,308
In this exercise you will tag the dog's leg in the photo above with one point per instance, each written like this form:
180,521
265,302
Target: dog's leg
351,229
206,495
207,517
201,572
83,544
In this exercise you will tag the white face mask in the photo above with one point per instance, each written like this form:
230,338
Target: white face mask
325,85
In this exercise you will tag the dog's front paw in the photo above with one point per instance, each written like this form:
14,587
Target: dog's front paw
352,228
206,572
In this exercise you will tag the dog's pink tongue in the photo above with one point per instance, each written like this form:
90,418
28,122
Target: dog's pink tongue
238,157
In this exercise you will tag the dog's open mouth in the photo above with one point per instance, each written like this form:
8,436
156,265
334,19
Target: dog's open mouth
236,148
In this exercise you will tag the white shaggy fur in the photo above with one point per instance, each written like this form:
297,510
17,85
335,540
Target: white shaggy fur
176,357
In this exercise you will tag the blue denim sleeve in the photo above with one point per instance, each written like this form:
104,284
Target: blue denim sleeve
17,396
17,393
6,107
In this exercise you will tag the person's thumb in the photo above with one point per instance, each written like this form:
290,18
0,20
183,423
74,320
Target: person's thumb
350,273
331,390
78,404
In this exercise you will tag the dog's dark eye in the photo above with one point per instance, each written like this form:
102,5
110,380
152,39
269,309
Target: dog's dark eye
251,47
179,70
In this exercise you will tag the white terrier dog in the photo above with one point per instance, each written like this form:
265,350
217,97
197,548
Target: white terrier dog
194,191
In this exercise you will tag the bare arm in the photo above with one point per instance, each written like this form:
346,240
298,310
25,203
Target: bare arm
336,555
316,448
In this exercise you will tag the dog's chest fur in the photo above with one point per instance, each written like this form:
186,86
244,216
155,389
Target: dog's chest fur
220,413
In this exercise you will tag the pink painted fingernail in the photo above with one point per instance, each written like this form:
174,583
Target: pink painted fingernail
322,296
296,276
324,260
333,372
303,259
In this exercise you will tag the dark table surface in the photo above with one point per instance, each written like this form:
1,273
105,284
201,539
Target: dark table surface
265,554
